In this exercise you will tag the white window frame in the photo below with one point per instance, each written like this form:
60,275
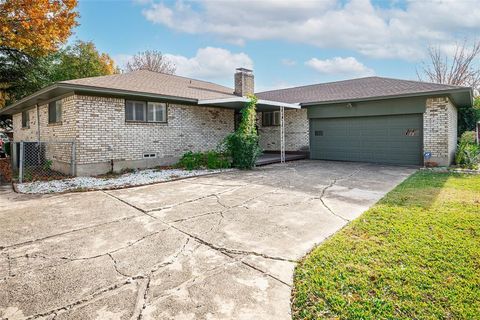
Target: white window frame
275,118
134,102
154,106
146,106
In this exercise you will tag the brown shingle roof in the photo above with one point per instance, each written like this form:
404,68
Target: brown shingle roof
157,83
356,89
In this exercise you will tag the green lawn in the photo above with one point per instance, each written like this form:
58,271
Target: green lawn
414,255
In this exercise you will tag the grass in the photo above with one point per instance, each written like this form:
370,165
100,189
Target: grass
414,255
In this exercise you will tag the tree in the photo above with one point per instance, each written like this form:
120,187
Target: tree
22,74
80,61
36,27
461,69
151,60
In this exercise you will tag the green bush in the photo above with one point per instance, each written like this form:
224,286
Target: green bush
244,150
242,145
468,156
468,152
204,160
217,160
468,137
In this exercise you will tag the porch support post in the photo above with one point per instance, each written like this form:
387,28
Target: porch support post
282,134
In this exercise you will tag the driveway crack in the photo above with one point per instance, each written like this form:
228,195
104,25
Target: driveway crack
189,201
331,184
265,273
81,301
228,250
20,244
130,205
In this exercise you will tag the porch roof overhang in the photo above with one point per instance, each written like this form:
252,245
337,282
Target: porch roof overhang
238,103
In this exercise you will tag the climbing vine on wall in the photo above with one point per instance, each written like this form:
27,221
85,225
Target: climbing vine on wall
243,143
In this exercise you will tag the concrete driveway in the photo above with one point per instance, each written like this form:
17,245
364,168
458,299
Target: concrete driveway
213,247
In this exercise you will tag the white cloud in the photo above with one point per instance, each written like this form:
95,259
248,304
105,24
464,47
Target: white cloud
214,64
394,32
288,62
340,66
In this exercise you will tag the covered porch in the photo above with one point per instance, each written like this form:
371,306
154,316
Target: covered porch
237,103
270,157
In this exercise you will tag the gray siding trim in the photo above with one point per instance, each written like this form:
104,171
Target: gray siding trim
368,108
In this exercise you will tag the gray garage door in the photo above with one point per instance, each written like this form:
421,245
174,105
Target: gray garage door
384,139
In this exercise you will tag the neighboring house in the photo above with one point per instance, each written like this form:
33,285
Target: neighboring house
144,119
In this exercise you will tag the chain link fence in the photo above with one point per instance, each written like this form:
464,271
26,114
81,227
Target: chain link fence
44,160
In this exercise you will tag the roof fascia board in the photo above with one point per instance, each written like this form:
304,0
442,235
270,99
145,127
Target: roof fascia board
244,99
91,89
407,95
31,96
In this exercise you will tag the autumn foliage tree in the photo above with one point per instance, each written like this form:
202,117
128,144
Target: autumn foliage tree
81,60
30,30
36,27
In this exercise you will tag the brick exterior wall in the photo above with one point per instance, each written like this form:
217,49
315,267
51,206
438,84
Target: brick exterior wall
440,130
105,136
97,124
296,132
58,135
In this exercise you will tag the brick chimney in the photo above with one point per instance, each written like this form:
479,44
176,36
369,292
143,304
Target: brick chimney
244,82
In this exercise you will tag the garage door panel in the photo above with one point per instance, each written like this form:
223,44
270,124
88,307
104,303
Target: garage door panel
386,139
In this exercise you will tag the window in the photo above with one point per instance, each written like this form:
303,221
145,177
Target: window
271,118
411,132
26,119
135,110
157,112
149,155
55,111
145,112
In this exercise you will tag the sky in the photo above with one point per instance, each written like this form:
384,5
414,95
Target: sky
286,42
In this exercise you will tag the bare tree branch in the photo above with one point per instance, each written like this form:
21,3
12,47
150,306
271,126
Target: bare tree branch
461,69
151,60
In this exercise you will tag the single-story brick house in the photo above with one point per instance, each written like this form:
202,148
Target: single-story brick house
144,119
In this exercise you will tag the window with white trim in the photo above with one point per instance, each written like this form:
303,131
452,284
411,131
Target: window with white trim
142,111
271,118
157,112
135,110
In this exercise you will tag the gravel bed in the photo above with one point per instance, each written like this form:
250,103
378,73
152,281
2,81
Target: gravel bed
125,180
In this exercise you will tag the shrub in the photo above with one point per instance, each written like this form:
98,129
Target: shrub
468,156
242,145
468,137
468,152
217,160
201,160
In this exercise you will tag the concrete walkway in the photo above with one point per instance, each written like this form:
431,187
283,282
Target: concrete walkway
213,247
